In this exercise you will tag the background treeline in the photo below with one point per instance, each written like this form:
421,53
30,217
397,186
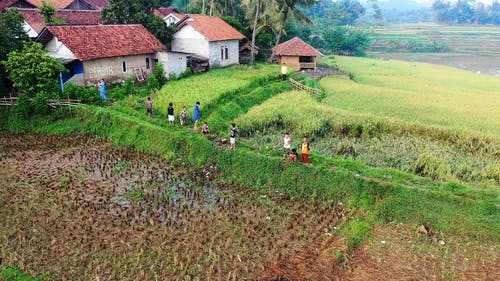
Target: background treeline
466,12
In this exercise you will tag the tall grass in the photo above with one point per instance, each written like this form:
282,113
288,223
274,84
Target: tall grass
415,92
465,156
207,88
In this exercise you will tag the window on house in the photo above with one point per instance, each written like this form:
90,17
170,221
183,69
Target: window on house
224,52
124,67
147,63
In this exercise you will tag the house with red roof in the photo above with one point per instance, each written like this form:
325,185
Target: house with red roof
206,36
34,22
296,54
57,4
94,52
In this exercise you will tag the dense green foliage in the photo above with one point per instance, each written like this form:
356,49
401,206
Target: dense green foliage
11,32
138,11
466,12
32,70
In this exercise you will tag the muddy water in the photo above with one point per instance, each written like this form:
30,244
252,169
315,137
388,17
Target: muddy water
78,208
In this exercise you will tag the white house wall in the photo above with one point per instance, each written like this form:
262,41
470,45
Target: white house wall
173,63
29,30
215,53
57,49
188,40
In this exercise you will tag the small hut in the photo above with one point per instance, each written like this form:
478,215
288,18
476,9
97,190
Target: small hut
296,54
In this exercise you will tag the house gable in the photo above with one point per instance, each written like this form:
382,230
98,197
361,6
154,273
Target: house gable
31,31
58,50
80,5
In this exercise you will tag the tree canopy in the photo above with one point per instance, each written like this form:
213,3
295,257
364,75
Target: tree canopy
32,70
138,11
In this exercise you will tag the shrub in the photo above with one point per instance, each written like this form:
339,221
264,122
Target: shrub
128,87
186,73
40,103
23,106
153,83
84,94
159,74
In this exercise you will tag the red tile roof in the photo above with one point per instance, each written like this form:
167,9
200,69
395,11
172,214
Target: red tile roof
6,3
213,28
296,47
98,4
89,42
163,12
58,4
69,17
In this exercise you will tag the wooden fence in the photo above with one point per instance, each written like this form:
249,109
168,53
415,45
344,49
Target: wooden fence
11,101
299,86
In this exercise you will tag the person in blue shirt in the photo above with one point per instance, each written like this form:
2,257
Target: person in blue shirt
196,114
102,89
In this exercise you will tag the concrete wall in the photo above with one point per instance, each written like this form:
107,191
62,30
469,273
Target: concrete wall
173,63
188,40
291,62
233,57
30,30
111,69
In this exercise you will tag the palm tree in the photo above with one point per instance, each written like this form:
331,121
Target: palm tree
253,5
285,10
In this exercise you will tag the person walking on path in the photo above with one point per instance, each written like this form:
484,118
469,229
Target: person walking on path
287,142
284,71
183,116
170,112
232,136
305,151
196,114
102,90
149,107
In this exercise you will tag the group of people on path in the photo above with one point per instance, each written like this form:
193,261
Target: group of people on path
195,118
292,154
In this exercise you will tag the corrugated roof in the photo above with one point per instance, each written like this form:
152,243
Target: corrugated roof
296,47
89,42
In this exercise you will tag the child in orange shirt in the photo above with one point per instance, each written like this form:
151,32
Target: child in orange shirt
305,151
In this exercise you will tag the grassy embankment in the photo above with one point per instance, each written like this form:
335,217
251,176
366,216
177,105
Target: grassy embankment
394,115
468,217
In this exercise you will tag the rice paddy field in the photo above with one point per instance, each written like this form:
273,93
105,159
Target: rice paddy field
474,47
104,193
207,88
416,92
80,208
429,120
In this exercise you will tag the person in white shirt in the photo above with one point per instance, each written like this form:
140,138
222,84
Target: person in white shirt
287,143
